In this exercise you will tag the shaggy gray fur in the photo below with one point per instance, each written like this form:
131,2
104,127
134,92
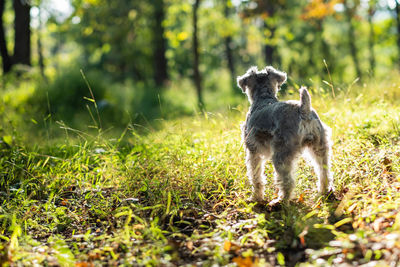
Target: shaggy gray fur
281,131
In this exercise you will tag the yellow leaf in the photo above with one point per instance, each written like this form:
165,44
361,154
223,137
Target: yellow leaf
88,31
7,139
280,258
182,36
132,14
344,221
92,2
396,225
243,262
227,245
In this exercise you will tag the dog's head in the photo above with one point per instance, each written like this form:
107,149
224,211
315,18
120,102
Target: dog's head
260,83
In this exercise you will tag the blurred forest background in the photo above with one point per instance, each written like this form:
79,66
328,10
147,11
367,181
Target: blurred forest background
125,61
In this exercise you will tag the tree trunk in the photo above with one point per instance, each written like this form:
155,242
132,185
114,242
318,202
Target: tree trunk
324,48
160,43
40,47
371,39
398,29
6,59
228,51
22,45
352,39
229,56
196,74
269,50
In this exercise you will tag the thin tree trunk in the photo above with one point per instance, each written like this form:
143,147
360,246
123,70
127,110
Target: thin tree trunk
352,40
160,60
324,48
371,41
229,56
398,29
228,50
6,59
39,44
22,44
197,76
243,43
269,50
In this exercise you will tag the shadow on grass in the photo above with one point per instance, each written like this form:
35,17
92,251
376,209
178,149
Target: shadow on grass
261,231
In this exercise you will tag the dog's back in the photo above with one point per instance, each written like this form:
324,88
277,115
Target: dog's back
287,119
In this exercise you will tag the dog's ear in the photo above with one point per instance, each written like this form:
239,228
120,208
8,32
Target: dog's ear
279,76
243,81
282,76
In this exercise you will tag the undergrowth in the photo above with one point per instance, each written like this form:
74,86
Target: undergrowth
177,194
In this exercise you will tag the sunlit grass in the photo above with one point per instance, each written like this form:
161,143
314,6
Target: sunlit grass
177,194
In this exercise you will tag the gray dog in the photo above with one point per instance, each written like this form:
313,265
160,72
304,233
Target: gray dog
281,131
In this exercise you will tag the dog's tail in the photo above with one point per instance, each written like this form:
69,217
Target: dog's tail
305,101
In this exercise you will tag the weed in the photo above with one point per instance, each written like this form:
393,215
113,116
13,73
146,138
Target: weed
176,195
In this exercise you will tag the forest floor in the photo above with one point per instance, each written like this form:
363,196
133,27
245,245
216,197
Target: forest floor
176,195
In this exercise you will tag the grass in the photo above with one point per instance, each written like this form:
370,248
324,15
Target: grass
176,195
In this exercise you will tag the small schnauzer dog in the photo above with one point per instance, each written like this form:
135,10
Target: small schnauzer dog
281,131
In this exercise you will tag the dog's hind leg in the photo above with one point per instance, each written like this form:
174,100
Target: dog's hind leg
255,172
321,156
283,160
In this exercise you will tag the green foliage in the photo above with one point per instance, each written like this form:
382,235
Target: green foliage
69,99
115,39
69,94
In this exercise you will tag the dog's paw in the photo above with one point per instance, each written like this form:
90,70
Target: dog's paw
276,204
255,199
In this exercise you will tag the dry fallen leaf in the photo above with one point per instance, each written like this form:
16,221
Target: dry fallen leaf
301,198
84,264
352,207
243,262
302,241
302,235
138,226
94,255
189,245
377,224
227,245
64,202
387,163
